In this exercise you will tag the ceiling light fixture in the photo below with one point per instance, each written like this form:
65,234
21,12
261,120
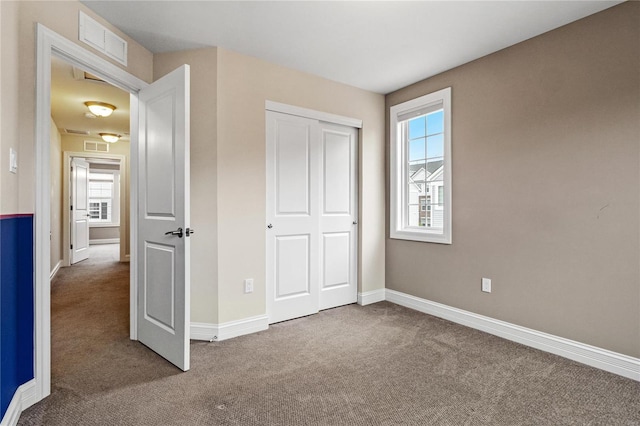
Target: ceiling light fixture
100,109
109,137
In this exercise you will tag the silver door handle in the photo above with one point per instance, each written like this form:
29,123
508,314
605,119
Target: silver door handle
177,232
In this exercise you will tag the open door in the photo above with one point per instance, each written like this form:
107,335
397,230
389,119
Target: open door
163,217
79,210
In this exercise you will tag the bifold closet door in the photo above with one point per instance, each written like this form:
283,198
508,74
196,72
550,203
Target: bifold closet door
311,234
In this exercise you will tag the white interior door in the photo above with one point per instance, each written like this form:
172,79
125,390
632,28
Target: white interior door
311,216
338,216
163,217
292,211
79,210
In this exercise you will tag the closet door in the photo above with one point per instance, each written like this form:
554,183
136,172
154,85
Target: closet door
293,204
338,215
311,234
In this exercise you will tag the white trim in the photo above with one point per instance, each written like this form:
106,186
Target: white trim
55,270
104,241
23,398
603,359
228,330
310,113
369,297
50,43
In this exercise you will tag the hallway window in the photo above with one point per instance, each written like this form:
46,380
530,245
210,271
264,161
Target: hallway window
103,198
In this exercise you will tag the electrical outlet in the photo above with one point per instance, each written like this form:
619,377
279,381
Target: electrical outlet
248,285
486,285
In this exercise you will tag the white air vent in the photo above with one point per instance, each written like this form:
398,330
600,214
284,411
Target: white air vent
94,146
76,132
101,39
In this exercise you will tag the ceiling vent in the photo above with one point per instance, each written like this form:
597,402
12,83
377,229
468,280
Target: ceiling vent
76,132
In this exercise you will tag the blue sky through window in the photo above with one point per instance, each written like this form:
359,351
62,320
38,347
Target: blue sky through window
426,137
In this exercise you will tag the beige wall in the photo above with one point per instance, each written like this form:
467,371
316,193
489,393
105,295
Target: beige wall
18,84
75,143
55,184
204,248
103,233
9,98
244,84
545,186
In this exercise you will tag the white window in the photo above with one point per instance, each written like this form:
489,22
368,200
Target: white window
421,168
104,198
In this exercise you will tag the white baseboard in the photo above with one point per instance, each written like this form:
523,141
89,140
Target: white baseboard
23,398
603,359
55,270
369,297
105,241
228,330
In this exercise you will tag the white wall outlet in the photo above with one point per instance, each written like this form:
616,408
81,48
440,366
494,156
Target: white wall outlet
13,160
248,285
486,285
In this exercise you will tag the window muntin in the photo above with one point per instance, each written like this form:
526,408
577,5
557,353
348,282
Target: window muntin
421,168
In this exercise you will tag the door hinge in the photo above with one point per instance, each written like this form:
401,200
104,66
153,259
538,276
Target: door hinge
71,246
71,207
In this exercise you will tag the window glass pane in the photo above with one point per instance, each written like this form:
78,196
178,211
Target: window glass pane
416,149
435,122
417,127
435,146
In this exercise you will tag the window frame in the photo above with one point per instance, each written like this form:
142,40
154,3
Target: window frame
398,229
115,200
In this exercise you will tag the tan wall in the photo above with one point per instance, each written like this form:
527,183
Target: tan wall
545,186
75,143
18,83
9,98
204,248
244,84
55,183
103,233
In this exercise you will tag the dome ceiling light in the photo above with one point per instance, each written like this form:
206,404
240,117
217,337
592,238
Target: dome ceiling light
109,137
100,109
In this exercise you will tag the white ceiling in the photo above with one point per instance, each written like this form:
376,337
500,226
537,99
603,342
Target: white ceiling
68,95
379,46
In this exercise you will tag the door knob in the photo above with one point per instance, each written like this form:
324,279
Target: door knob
355,222
177,232
269,226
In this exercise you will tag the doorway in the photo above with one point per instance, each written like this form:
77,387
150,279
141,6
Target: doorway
160,122
89,250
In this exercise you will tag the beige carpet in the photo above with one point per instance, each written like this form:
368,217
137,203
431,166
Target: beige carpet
375,365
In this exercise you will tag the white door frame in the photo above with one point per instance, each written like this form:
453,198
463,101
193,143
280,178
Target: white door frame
51,44
66,176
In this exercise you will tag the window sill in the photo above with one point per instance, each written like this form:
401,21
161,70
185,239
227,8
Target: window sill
420,236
